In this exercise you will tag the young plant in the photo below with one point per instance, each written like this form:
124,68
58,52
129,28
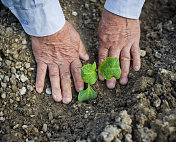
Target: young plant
108,69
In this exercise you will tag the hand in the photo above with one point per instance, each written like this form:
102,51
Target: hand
59,53
118,37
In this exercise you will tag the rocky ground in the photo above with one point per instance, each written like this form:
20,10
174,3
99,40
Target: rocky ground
144,110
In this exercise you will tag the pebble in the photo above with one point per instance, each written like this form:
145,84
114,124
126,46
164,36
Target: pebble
24,41
48,91
74,13
23,78
44,127
24,126
2,118
11,101
13,70
142,53
157,102
16,126
23,90
3,95
9,30
6,79
50,116
8,62
1,113
157,55
27,65
18,65
30,88
13,79
3,85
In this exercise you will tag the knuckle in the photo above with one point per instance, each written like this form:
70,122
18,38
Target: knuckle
66,76
136,51
54,74
125,58
77,70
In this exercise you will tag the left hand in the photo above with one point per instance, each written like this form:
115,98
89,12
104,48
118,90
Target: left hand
118,37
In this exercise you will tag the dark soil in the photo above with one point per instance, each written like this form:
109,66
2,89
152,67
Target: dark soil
144,110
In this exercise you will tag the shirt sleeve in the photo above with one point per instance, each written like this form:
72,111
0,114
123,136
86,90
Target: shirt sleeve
38,17
125,8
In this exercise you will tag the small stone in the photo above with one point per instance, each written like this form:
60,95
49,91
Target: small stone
16,126
23,78
27,65
6,79
30,88
44,127
24,127
8,62
3,95
2,118
17,99
18,65
48,91
13,79
13,70
24,41
74,13
0,59
36,130
3,85
128,138
11,101
48,135
157,55
157,102
142,53
1,113
50,116
23,90
9,30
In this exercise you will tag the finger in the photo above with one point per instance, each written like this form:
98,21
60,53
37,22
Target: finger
103,54
114,52
82,52
55,82
41,73
76,72
125,64
135,51
111,83
65,83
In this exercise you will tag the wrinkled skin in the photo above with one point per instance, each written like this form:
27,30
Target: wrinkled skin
59,53
118,37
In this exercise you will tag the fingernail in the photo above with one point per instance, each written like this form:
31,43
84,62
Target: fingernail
123,81
67,100
87,57
39,90
136,68
110,85
79,89
101,78
58,97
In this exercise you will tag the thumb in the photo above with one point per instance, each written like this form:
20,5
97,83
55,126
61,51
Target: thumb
82,52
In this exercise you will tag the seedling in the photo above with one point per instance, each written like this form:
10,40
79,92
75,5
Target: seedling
108,69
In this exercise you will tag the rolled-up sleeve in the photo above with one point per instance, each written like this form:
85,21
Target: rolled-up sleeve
38,17
125,8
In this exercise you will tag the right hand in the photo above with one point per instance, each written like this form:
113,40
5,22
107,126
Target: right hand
59,53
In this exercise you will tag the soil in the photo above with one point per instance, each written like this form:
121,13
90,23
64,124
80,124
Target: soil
144,110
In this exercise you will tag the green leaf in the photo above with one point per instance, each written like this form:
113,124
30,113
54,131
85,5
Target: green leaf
89,74
110,68
87,94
